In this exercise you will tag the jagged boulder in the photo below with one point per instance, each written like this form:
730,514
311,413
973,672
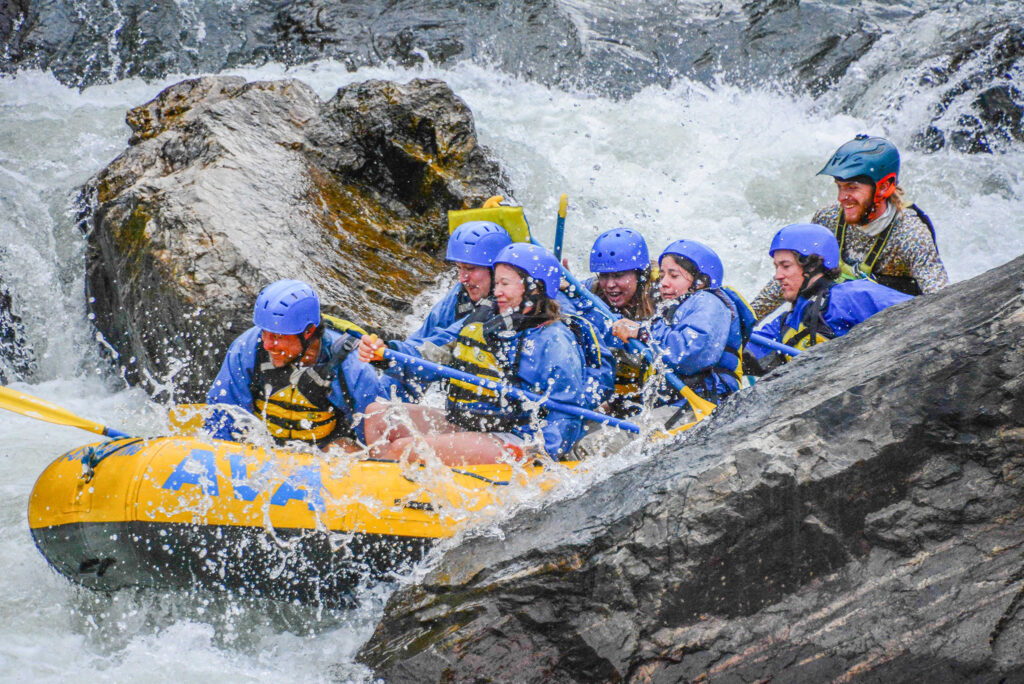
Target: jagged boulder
857,515
228,185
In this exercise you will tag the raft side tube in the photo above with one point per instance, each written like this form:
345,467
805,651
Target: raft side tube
179,511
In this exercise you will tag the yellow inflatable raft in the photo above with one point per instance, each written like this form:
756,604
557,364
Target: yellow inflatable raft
179,512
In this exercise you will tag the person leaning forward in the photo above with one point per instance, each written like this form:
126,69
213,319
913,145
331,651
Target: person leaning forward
879,235
806,258
299,377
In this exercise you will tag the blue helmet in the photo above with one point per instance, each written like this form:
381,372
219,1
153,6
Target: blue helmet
808,239
619,249
477,243
539,264
703,257
286,307
873,157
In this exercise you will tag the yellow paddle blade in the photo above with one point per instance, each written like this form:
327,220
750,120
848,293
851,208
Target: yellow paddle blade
665,434
492,202
702,408
512,219
563,205
40,409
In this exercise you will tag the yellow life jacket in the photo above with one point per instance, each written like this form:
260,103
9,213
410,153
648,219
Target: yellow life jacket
630,377
477,408
473,356
294,401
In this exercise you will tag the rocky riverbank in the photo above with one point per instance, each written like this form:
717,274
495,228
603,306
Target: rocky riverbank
881,55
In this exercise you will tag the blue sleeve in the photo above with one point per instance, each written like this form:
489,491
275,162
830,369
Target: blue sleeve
574,305
441,316
854,302
231,385
574,296
409,378
443,336
555,368
696,339
601,381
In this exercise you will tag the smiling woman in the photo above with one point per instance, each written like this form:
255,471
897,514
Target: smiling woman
622,263
519,342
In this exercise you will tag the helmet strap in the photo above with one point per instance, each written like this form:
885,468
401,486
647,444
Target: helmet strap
880,198
307,340
809,273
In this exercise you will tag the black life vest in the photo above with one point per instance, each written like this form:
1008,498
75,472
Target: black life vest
463,304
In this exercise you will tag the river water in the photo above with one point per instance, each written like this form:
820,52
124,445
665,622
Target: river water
724,165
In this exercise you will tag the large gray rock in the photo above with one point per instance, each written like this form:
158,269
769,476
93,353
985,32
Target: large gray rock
610,48
227,186
856,516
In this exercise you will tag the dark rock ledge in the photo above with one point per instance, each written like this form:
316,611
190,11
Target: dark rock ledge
856,516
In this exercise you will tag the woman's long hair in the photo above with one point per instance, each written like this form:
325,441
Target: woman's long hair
544,307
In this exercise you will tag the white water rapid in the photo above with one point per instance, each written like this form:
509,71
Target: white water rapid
722,165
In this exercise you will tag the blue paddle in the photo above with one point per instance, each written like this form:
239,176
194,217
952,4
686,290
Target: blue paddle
772,344
414,363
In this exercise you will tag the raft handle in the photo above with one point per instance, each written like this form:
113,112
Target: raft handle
416,505
89,462
93,455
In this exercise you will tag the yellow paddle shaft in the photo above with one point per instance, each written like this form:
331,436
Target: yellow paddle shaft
40,409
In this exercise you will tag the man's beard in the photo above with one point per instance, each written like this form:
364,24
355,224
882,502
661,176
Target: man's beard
862,214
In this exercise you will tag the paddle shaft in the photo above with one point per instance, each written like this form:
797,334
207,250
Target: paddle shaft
515,392
40,409
772,344
563,205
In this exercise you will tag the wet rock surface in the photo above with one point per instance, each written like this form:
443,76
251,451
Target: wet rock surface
855,516
227,186
905,49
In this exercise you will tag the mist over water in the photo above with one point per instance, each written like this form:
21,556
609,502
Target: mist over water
723,165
